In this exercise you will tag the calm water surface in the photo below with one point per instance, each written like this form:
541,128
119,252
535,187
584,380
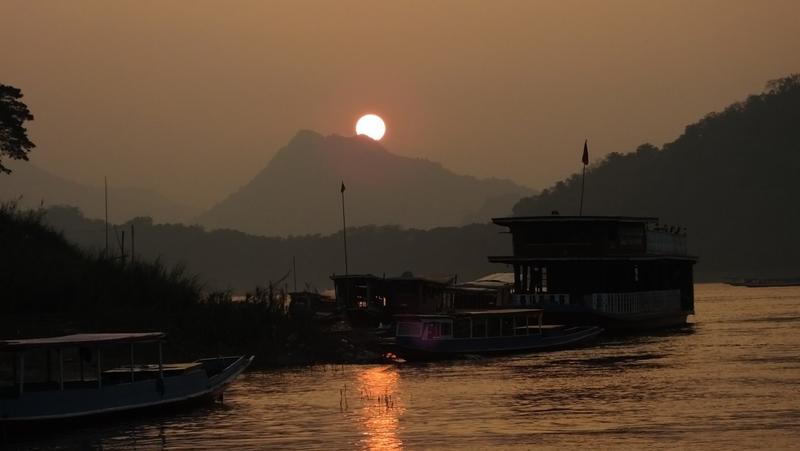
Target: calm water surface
730,380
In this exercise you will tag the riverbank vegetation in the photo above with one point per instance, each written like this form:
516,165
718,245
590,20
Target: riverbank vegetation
50,286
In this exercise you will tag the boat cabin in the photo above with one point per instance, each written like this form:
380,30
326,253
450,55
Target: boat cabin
372,299
470,324
489,292
79,361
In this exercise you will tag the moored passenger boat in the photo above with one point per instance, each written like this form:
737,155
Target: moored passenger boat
616,272
483,332
73,381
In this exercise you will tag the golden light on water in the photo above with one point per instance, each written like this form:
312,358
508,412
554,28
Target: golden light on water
371,125
381,408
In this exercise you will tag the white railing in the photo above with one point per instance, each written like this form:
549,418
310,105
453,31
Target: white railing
665,243
638,302
540,298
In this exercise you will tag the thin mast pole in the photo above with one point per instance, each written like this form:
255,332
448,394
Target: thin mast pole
294,272
583,182
344,232
585,161
105,184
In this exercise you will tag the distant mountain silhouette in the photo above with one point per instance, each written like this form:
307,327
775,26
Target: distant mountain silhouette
33,186
298,191
733,179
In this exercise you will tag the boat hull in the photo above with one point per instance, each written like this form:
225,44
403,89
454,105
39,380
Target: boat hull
71,403
618,323
416,347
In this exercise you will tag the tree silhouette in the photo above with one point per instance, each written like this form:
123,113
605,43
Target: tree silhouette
14,142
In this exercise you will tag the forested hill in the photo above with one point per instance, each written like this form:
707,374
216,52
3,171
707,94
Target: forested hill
229,259
732,178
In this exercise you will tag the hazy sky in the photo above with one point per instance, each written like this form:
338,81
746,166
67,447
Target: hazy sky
192,98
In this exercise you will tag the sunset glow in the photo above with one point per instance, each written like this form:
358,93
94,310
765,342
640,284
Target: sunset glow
371,125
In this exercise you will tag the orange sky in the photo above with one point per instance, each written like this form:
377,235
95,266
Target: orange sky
193,98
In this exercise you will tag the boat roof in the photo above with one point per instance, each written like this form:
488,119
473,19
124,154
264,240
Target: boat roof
491,282
492,312
558,218
79,340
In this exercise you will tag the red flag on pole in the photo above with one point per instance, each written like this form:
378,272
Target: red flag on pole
342,190
585,158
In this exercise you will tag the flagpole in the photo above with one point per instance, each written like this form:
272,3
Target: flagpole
585,161
583,182
344,232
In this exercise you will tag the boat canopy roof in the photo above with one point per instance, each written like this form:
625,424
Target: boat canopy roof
79,340
557,218
473,313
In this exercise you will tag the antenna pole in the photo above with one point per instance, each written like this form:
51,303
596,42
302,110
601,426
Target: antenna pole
583,182
105,184
344,232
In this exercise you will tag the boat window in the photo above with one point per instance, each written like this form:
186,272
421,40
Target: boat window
409,329
493,327
544,279
520,326
508,326
431,330
461,328
479,327
447,329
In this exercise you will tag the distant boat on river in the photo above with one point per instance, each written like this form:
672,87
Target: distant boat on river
56,392
763,283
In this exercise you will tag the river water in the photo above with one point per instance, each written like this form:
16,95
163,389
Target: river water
729,380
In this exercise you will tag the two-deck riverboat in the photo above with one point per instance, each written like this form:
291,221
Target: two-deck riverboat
484,332
66,377
617,272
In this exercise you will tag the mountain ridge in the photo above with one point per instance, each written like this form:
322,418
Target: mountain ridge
31,187
297,192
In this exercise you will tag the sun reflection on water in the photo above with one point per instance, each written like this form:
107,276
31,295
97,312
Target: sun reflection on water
381,408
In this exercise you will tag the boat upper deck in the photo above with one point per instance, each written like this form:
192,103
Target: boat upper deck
592,238
473,313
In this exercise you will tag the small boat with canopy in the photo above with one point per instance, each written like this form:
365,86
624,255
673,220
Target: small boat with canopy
484,332
80,375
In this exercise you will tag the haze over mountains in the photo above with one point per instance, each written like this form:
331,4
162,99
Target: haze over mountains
298,191
32,187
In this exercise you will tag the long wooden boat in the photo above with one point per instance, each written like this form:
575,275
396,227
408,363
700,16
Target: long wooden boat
484,332
73,382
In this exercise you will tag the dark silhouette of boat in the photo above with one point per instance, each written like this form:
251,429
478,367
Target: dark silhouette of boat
494,331
764,283
617,272
73,382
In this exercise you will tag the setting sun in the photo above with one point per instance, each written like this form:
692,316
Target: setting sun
371,125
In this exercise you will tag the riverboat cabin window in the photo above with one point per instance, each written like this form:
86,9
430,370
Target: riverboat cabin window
508,326
520,325
479,327
461,328
543,286
409,329
447,329
493,327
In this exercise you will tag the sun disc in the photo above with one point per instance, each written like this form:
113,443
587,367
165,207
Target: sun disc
371,125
